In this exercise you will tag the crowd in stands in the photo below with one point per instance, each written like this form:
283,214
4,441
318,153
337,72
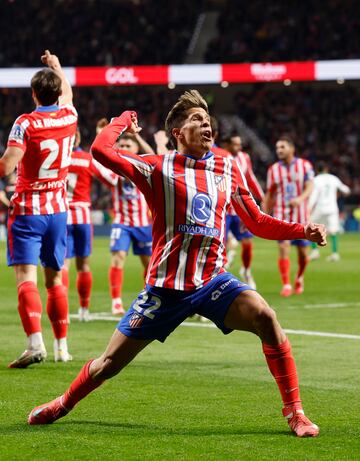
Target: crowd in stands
323,120
97,32
115,32
259,31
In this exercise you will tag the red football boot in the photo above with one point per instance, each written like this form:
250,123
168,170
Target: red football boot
47,413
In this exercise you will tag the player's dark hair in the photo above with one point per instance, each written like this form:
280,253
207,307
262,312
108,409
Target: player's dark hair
287,138
178,113
46,85
322,166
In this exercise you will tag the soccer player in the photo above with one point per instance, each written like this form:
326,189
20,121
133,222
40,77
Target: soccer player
40,144
233,223
132,224
289,185
324,207
83,168
188,192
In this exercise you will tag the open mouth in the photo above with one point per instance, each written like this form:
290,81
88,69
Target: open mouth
206,134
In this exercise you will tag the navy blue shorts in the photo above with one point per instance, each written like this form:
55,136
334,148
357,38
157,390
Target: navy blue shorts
122,236
156,312
237,227
31,237
79,240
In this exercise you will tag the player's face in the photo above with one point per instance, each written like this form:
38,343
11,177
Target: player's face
195,134
235,145
284,150
129,145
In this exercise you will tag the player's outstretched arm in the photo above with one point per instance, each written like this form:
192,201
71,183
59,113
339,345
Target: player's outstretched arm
52,61
10,159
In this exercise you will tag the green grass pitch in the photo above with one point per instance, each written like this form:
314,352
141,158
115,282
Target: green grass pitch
201,395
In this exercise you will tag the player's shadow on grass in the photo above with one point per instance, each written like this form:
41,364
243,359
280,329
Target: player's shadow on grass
191,431
136,429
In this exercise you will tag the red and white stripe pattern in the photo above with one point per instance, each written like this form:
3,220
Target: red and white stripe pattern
46,137
188,209
129,205
287,182
246,167
83,168
39,203
189,251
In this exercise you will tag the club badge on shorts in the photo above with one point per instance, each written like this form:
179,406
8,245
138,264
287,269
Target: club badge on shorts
136,320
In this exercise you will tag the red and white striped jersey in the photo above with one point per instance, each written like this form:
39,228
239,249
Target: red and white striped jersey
46,136
246,167
129,204
188,199
83,168
286,182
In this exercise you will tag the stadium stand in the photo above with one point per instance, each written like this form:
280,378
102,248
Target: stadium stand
285,31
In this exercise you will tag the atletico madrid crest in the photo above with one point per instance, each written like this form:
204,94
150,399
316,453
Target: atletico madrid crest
221,182
135,320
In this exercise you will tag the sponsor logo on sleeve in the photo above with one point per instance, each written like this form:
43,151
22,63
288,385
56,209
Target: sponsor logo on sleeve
17,133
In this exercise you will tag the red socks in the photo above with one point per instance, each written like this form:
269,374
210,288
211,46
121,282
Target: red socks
284,268
84,286
57,308
282,366
82,385
115,281
302,262
30,307
246,254
65,277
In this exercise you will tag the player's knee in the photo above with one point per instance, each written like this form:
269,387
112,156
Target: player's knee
265,319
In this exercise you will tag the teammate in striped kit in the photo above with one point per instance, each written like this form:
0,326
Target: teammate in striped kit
83,168
233,223
189,192
289,185
40,144
132,224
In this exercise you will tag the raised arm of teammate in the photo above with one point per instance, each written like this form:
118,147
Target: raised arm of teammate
161,140
136,168
145,148
52,61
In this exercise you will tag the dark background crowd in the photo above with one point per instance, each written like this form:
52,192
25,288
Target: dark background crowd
324,118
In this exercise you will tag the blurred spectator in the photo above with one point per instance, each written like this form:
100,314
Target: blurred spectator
259,31
96,32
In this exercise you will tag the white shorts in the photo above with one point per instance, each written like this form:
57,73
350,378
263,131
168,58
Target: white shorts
330,221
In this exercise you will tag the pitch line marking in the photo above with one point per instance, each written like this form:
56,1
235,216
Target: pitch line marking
324,306
107,317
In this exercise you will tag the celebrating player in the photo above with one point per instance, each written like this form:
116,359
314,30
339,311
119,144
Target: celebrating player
83,168
289,185
189,192
324,207
233,223
40,143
